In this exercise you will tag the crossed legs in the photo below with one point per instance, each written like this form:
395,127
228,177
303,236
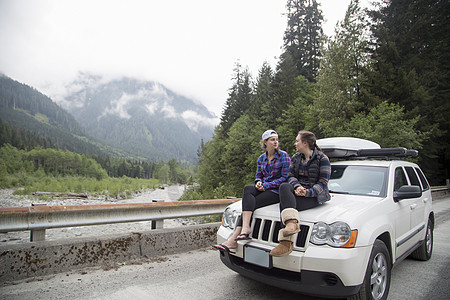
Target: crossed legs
251,200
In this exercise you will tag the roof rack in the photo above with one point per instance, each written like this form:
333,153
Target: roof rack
348,148
387,153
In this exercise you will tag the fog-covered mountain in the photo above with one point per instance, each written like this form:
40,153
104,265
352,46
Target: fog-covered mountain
142,117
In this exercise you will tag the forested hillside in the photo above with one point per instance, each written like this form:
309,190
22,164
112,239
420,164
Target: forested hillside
383,77
29,119
32,122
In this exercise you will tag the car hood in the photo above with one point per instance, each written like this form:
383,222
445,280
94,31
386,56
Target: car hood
339,208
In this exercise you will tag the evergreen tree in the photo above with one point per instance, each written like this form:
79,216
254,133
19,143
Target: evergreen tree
241,152
264,98
174,171
239,98
211,165
285,88
303,36
297,116
342,73
411,66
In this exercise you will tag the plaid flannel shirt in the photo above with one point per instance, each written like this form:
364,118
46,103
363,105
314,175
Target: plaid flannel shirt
273,174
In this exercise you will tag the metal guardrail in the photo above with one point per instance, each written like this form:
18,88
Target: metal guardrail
39,218
440,191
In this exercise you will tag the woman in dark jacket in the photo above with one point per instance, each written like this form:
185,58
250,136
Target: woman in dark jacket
306,187
272,171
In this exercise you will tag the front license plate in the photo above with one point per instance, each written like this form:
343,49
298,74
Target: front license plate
257,256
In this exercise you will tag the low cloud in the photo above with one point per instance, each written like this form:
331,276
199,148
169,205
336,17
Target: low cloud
193,120
119,107
168,111
155,100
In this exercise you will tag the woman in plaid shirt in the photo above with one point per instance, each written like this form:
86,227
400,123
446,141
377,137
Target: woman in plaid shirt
271,172
309,172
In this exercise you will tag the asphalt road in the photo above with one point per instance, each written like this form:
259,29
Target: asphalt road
201,275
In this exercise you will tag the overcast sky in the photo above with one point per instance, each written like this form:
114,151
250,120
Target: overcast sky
190,46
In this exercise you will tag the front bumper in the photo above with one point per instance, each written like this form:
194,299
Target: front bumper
319,275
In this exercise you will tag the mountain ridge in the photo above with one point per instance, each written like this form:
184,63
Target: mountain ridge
142,117
126,116
31,118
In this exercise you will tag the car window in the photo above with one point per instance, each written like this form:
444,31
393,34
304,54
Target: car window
424,181
399,179
412,176
358,180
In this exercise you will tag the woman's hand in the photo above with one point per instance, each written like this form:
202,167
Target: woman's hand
259,186
300,191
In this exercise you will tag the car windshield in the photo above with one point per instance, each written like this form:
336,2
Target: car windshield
358,180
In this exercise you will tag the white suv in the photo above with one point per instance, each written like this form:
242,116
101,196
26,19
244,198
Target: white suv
380,212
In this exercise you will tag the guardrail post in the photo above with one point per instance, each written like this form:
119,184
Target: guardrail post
37,235
157,224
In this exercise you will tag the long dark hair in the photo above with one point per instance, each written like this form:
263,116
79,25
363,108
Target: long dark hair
310,138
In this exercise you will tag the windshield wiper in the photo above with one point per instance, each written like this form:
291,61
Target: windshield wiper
339,192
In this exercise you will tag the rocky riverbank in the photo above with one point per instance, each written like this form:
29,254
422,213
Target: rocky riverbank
168,193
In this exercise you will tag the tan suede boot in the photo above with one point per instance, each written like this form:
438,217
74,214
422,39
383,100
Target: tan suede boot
291,228
289,217
284,248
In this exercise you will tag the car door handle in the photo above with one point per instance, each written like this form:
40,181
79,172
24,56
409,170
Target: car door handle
425,200
413,206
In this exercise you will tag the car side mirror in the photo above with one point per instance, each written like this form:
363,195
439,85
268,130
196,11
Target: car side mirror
407,191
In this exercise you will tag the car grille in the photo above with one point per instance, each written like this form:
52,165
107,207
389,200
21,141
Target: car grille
266,230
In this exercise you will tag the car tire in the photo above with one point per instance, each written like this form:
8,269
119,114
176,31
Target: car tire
426,249
378,274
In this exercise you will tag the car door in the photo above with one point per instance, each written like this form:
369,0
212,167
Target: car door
418,207
404,237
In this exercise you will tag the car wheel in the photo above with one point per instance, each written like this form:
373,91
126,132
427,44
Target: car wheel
425,250
378,274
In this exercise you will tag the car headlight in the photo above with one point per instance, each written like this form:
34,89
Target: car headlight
338,234
230,217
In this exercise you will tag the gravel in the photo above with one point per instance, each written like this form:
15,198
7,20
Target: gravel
167,193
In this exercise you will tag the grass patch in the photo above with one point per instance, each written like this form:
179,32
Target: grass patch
120,188
42,118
